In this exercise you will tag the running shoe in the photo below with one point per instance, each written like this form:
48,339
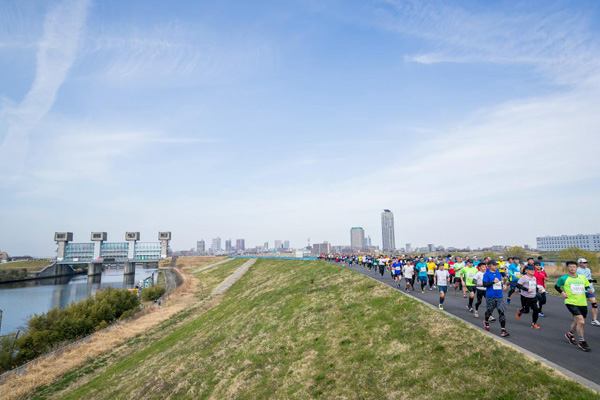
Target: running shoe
535,326
519,313
423,291
430,288
486,325
476,314
441,307
595,322
504,334
508,300
570,338
470,309
491,319
584,346
542,315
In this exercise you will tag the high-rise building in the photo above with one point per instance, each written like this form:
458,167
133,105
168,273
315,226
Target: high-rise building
216,245
430,248
408,247
266,246
387,231
368,242
200,246
278,244
228,245
240,244
286,244
357,238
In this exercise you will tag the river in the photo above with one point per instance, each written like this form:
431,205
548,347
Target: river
19,301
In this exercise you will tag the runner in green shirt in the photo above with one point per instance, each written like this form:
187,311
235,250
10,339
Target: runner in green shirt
467,275
572,288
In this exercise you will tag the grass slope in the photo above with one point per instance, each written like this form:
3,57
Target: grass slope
30,266
293,329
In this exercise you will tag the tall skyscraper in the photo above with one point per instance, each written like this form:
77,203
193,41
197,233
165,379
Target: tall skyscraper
200,246
357,238
387,230
228,245
408,247
277,244
240,244
286,244
368,242
266,247
216,245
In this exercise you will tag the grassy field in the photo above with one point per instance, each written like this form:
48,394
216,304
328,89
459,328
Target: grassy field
30,266
294,329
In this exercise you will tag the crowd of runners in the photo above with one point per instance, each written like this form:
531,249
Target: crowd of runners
478,279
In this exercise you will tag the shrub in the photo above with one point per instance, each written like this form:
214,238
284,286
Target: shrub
58,326
152,293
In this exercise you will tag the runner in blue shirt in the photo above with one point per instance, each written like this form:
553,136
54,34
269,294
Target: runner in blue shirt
492,281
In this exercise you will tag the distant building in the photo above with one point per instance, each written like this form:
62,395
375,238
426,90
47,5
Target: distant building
387,231
408,247
286,244
266,246
589,242
430,248
216,245
278,245
240,245
228,245
357,238
368,243
200,246
3,256
321,248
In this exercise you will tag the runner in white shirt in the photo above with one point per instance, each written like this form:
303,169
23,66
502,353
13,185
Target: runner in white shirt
408,272
440,279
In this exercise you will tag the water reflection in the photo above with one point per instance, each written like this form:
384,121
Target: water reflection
21,300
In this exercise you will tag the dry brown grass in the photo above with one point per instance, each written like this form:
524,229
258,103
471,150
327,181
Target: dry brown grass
45,371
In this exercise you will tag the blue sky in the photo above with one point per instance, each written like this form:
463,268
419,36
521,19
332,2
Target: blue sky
476,123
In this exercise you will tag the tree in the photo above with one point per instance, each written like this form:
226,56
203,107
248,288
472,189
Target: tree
573,253
516,251
490,254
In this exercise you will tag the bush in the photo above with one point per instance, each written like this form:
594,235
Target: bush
57,326
516,251
573,253
152,293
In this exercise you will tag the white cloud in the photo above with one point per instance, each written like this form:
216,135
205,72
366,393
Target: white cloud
56,53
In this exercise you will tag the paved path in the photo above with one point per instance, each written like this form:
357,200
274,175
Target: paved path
234,277
548,342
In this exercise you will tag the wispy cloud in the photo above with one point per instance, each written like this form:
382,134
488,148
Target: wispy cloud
56,53
553,39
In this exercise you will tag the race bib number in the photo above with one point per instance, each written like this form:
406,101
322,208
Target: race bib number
497,286
577,288
470,275
518,275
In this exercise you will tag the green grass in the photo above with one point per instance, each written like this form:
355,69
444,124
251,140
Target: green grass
30,266
294,329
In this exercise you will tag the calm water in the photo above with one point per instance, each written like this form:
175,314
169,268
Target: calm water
22,300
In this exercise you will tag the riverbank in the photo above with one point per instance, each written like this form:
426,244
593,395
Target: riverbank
115,339
307,329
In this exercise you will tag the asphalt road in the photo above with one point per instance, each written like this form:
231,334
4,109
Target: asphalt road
548,342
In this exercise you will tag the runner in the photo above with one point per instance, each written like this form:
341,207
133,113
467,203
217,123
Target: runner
397,271
583,269
381,263
458,266
541,277
514,274
502,266
572,288
422,271
480,289
431,267
466,275
440,279
528,286
408,271
492,281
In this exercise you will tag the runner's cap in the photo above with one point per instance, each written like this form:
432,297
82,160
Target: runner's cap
582,260
501,257
529,267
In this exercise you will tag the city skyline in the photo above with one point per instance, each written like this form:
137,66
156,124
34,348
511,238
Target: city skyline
279,119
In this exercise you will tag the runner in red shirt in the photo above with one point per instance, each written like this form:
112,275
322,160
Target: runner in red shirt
541,277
